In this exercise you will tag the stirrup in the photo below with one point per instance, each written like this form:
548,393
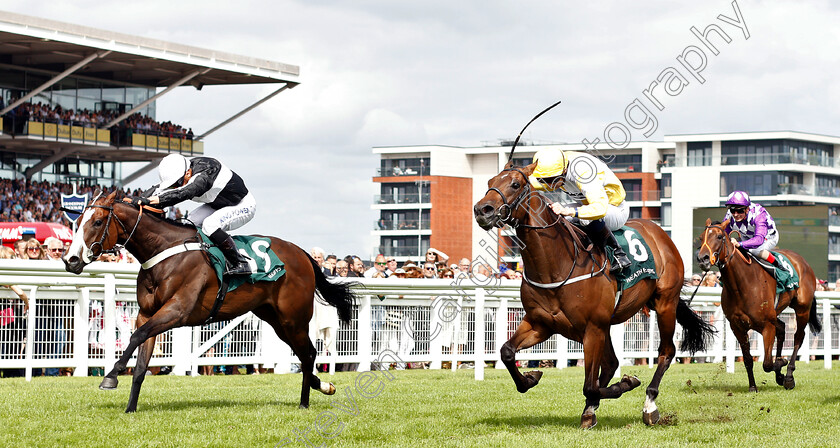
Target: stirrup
240,269
619,266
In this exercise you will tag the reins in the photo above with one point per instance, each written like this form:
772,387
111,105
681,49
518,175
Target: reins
504,216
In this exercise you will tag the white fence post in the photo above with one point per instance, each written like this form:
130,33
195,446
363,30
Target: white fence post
730,347
109,308
617,336
501,330
30,331
826,333
479,334
81,330
181,351
365,334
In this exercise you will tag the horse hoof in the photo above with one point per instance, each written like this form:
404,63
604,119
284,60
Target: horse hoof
651,418
753,389
330,389
588,421
780,379
632,381
790,384
108,384
303,406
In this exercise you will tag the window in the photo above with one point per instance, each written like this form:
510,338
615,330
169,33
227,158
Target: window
623,162
767,183
699,153
763,152
633,188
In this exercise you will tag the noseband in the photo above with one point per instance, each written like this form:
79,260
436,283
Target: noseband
115,250
714,257
504,214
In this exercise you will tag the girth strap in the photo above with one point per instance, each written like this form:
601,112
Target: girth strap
174,250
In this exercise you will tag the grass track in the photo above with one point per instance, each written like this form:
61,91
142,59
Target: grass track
703,404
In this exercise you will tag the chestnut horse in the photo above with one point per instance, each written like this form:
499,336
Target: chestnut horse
576,295
748,301
181,290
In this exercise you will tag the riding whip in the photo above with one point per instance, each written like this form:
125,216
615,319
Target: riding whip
510,157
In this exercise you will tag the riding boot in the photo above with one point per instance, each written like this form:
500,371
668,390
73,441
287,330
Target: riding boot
237,264
604,237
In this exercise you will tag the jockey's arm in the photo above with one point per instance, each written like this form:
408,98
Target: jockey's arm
760,232
596,203
197,186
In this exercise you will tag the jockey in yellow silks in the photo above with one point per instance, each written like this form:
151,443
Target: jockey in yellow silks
599,206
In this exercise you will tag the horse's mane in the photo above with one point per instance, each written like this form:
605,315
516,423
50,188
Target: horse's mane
158,216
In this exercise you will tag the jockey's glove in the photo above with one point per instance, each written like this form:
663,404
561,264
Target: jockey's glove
140,201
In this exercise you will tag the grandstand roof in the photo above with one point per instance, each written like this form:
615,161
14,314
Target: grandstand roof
36,43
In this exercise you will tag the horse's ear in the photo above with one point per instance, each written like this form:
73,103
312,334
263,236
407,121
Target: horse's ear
724,224
708,222
111,197
509,165
529,169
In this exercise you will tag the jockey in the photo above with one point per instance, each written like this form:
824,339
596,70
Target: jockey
226,202
598,193
754,223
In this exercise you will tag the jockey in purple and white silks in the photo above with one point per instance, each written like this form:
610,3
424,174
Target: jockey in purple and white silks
755,225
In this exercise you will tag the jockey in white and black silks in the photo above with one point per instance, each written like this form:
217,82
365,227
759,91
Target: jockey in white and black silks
226,202
755,224
600,207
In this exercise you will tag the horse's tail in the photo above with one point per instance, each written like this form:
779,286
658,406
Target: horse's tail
814,318
696,331
339,295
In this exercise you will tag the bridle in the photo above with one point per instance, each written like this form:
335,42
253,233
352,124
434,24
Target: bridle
89,254
714,255
504,214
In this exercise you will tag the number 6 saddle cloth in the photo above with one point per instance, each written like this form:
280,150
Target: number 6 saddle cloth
638,251
265,264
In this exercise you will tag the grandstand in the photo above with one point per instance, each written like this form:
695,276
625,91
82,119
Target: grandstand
76,103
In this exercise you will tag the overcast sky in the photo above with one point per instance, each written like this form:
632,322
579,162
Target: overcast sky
383,73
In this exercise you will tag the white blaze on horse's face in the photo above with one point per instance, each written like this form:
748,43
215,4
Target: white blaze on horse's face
78,247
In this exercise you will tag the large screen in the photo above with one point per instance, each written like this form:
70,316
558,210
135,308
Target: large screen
802,229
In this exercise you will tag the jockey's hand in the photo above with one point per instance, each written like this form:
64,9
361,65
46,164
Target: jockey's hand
735,242
140,201
562,211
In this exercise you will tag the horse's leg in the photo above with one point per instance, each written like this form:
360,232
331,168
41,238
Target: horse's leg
298,339
779,362
143,357
744,341
798,337
609,364
593,352
167,317
526,335
768,333
666,319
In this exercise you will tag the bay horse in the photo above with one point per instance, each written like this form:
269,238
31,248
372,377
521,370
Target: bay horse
583,308
181,290
748,301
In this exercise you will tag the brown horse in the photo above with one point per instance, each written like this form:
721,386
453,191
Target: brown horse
576,295
747,301
181,290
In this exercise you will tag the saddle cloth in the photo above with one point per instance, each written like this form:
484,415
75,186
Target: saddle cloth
787,278
265,264
642,263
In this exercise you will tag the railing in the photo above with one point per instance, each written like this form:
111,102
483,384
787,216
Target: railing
87,133
834,220
407,198
85,321
402,224
402,251
397,171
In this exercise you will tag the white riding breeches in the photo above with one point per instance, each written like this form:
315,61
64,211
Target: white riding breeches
769,244
226,218
616,216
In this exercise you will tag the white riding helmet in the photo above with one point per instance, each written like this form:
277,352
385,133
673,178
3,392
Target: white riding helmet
172,169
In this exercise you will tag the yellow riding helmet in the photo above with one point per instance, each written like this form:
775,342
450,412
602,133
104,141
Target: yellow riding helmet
550,163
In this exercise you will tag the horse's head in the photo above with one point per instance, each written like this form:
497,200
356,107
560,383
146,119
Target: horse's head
505,195
96,233
715,246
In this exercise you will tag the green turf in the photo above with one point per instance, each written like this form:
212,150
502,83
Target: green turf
701,404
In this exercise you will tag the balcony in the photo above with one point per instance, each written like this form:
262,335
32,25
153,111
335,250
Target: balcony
407,198
404,224
403,251
793,189
397,171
